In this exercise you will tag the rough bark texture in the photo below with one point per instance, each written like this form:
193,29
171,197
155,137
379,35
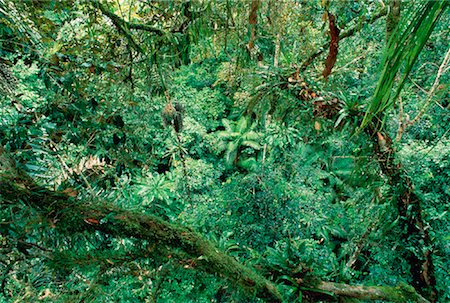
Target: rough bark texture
334,46
69,216
401,293
253,20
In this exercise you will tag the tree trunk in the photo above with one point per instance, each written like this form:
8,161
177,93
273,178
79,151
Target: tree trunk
185,44
253,20
410,211
345,34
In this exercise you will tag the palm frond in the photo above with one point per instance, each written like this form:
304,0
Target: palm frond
402,50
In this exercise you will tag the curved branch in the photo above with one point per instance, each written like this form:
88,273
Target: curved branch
130,25
147,28
68,216
121,25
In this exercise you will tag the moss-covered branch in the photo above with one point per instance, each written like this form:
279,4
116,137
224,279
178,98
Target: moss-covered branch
69,216
121,25
401,293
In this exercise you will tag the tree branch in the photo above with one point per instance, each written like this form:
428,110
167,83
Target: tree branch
122,26
147,28
408,203
402,293
130,25
345,34
69,217
442,69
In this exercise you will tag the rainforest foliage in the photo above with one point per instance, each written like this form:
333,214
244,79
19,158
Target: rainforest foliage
224,151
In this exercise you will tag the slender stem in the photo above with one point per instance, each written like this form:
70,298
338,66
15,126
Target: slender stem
442,69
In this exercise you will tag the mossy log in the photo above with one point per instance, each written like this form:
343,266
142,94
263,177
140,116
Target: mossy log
69,216
401,293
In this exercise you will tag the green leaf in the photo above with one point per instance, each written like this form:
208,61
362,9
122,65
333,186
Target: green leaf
248,164
252,144
403,48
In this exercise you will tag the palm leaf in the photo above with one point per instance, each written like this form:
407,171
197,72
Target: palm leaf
242,125
227,124
403,49
232,151
252,144
251,135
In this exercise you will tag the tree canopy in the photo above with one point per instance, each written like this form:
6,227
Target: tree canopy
224,151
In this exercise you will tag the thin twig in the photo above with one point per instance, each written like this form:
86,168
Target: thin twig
349,63
442,69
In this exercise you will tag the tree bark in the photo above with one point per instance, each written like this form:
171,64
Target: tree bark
69,217
253,20
393,17
402,293
334,46
410,210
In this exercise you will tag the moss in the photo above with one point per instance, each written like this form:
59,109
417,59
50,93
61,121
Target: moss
70,216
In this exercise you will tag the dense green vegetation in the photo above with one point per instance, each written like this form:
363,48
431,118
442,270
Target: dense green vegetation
224,151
